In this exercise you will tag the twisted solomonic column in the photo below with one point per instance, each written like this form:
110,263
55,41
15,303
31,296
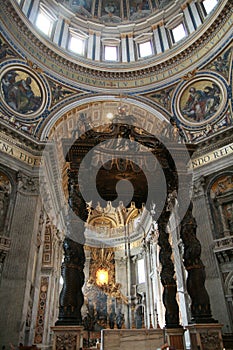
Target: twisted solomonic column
200,306
167,274
71,296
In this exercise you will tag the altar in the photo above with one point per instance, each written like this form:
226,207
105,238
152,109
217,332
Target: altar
128,339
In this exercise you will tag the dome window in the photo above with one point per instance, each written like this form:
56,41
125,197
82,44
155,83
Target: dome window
110,53
209,5
178,33
110,47
145,49
45,21
77,41
144,45
77,45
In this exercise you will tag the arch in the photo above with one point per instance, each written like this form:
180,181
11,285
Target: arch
47,125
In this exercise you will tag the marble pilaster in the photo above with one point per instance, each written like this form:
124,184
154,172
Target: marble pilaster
164,38
195,14
97,46
57,32
123,48
34,11
205,236
17,276
90,45
65,34
158,46
188,20
131,48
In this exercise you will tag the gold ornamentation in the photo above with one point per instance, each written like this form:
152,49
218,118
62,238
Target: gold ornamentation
190,75
103,259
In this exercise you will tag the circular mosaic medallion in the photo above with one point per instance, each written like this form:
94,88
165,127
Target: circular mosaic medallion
201,100
22,91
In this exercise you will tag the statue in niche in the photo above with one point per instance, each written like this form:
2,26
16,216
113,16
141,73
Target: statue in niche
5,189
228,214
138,316
221,201
112,317
90,319
119,319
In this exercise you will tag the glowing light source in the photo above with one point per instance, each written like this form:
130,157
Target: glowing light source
109,115
102,277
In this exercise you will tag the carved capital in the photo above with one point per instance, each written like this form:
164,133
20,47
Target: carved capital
28,184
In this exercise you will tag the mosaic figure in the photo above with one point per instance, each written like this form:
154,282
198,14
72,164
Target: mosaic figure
202,103
21,92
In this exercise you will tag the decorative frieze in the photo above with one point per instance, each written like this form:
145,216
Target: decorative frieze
40,322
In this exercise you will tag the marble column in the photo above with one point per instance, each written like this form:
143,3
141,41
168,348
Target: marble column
71,296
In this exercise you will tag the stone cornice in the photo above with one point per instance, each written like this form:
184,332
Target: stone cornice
21,138
213,142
